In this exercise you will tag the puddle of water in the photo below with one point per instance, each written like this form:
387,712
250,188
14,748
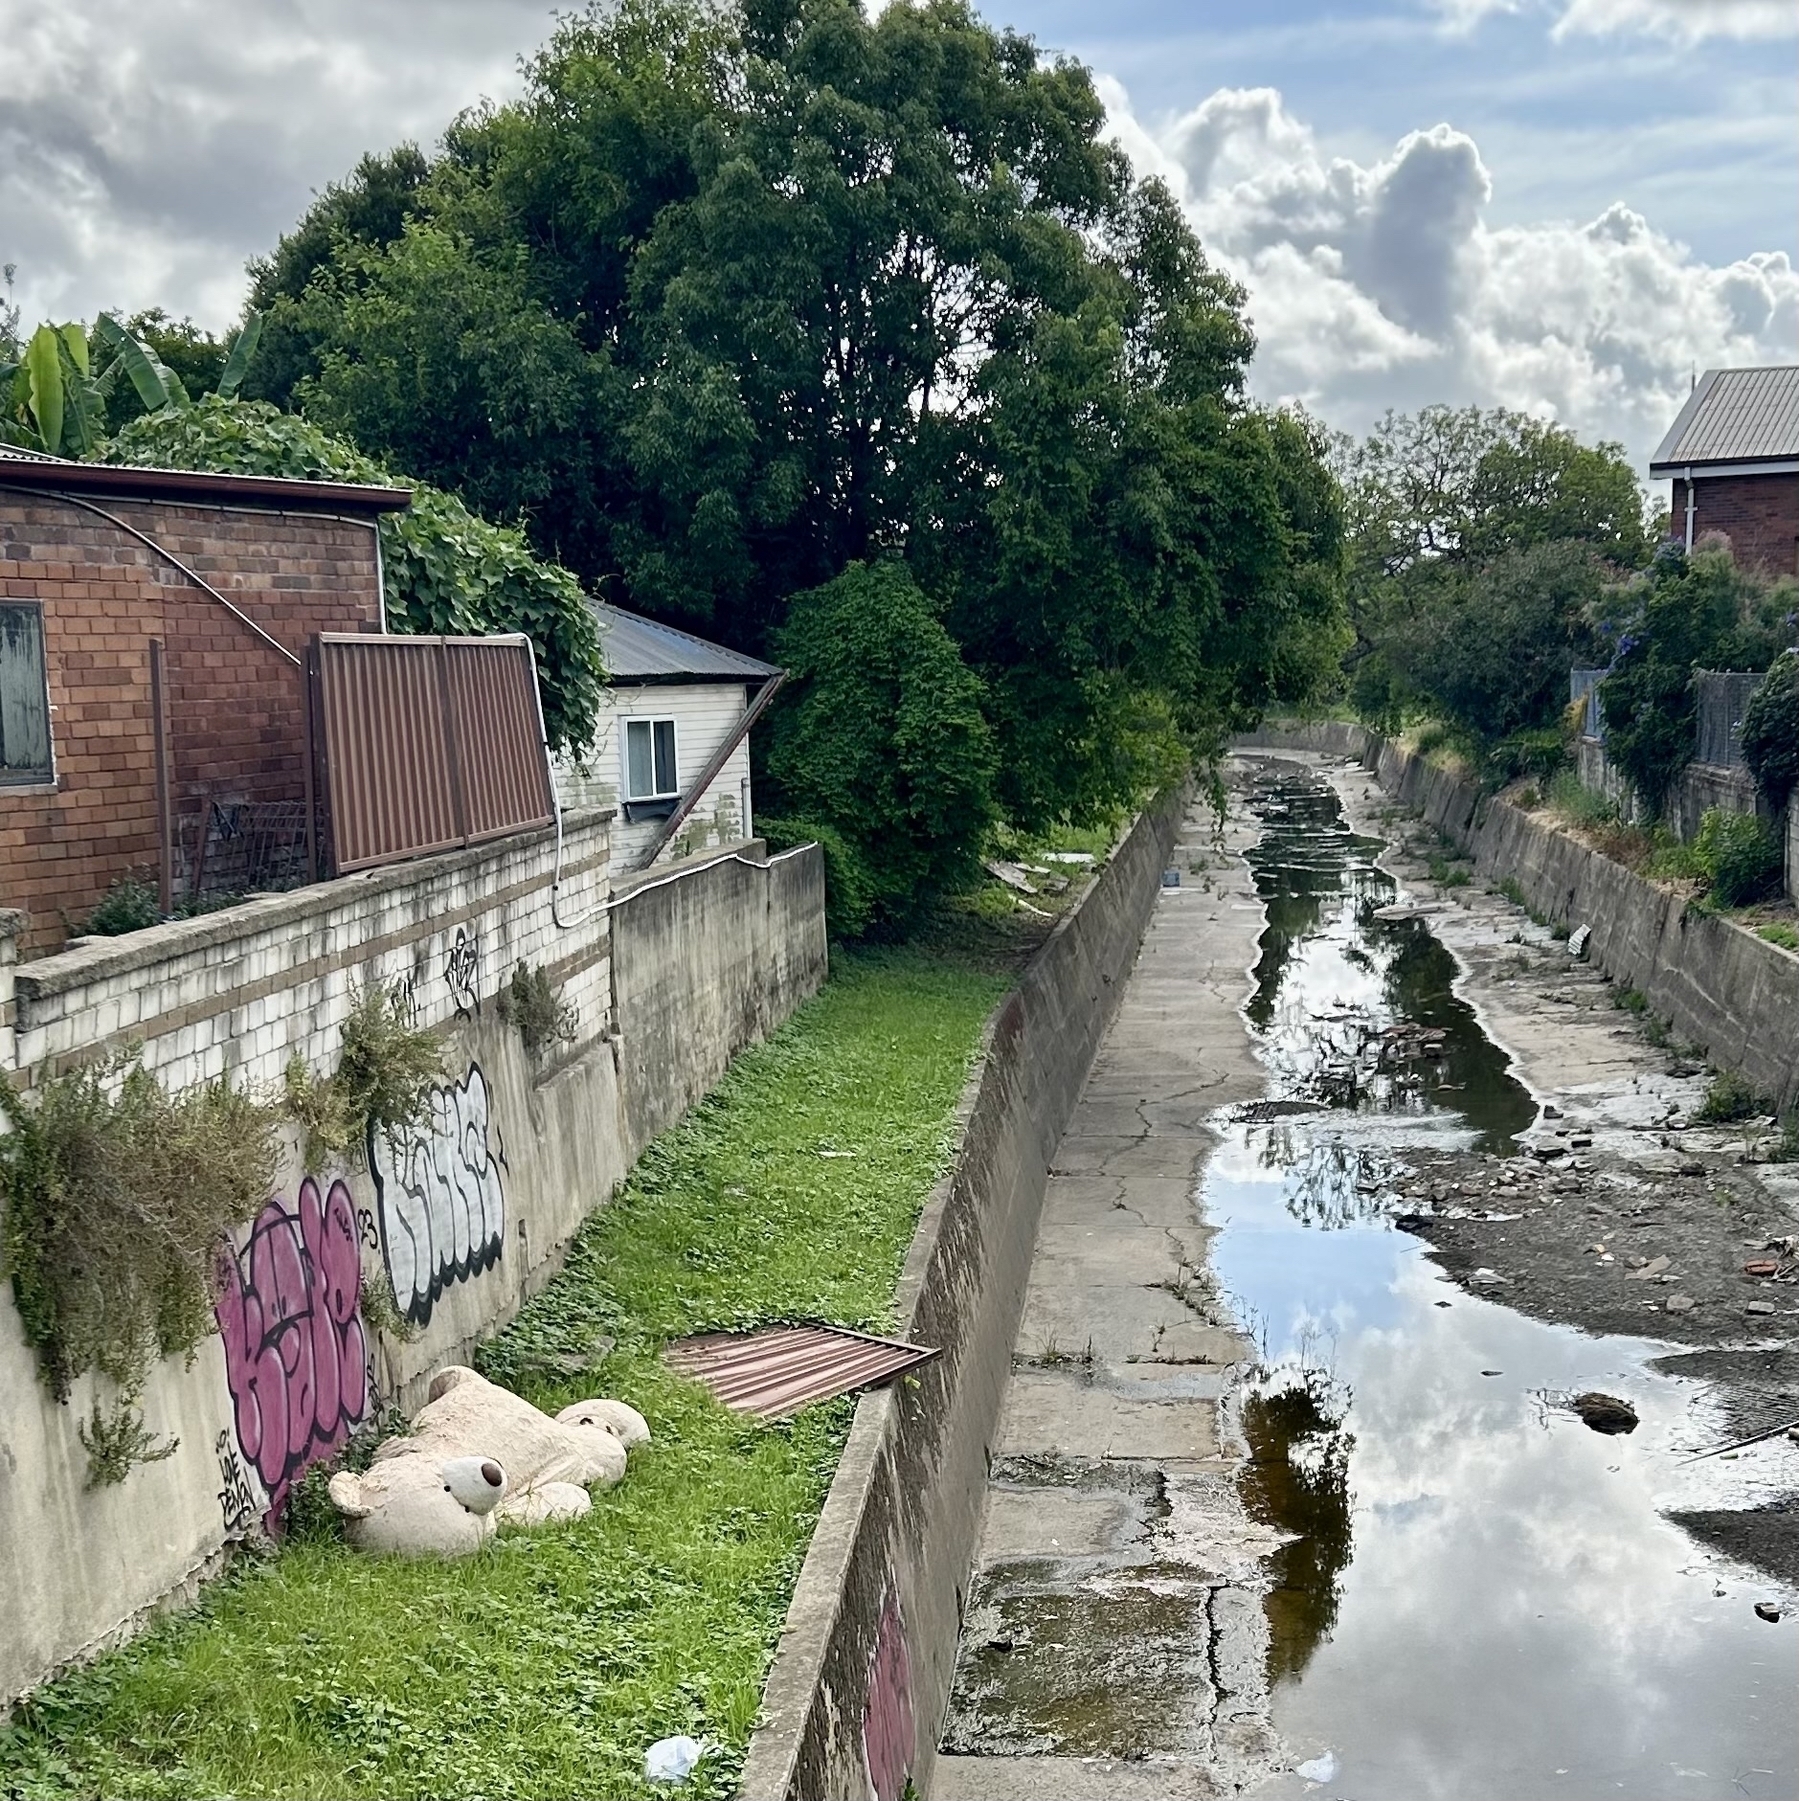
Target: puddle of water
1481,1598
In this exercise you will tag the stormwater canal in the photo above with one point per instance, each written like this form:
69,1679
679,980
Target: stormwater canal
1480,1597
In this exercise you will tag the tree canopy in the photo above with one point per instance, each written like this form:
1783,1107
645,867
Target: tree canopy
730,302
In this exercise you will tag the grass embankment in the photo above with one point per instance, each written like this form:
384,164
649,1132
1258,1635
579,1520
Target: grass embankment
545,1664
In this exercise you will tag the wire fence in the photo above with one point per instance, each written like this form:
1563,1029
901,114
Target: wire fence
1723,699
1583,685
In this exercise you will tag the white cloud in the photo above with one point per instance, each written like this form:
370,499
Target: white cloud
148,147
1381,284
1686,21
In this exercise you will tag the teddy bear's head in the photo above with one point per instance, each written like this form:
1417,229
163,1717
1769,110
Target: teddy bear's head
418,1506
615,1418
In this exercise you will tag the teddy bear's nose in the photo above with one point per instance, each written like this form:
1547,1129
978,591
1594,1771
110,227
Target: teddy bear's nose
492,1474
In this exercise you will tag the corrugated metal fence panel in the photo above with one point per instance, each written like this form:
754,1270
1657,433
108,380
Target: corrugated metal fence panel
493,695
429,744
1723,699
1583,684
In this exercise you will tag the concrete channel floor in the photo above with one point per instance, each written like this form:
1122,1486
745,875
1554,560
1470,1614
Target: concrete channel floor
1117,1598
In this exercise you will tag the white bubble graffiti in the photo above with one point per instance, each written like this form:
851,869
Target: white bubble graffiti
441,1204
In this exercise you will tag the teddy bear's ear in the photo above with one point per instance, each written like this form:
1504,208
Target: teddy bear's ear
453,1376
345,1490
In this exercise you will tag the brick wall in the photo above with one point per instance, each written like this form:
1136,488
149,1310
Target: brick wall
1758,513
234,704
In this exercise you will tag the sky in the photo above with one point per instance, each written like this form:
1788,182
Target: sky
1560,206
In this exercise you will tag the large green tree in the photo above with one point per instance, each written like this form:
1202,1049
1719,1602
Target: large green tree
731,301
1476,540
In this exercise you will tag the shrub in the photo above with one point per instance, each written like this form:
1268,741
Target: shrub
1728,1098
849,889
127,906
1771,732
882,738
116,1194
1738,856
532,1003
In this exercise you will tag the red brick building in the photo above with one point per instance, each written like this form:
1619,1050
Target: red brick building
139,599
1733,457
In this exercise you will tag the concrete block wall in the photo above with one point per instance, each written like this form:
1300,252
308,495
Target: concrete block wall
1719,986
876,1613
459,1219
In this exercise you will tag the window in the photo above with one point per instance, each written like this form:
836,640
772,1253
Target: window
24,696
650,780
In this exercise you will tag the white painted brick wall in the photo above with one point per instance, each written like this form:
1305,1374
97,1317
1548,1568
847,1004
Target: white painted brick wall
254,1038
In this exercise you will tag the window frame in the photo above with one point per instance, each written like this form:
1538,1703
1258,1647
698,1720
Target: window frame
44,777
661,796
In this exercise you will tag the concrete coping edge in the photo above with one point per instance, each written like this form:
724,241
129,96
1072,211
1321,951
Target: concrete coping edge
94,960
798,1662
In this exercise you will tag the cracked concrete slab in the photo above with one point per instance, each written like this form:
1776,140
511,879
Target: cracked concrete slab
1115,1642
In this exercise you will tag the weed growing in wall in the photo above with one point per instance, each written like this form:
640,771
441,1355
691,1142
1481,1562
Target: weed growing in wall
115,1195
382,1078
532,1003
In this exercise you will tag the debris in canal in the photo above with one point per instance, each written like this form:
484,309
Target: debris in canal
1767,1610
1605,1413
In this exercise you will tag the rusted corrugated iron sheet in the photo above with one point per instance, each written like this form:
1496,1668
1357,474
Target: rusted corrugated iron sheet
428,744
493,697
778,1370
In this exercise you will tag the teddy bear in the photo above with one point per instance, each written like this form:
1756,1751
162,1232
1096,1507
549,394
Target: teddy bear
478,1456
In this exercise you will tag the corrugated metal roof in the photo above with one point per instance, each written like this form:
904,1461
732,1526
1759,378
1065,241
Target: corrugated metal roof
636,648
780,1369
1734,416
13,454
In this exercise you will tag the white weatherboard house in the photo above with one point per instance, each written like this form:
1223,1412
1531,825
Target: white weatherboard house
672,748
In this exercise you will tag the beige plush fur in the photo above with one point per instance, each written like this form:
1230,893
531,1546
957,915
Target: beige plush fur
432,1490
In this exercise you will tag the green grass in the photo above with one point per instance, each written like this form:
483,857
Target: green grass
545,1664
1783,935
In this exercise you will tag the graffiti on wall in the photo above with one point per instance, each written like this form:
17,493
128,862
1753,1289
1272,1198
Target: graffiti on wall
462,972
440,1202
237,1499
888,1730
295,1352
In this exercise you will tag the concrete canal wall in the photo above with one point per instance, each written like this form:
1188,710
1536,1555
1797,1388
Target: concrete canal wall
1716,984
861,1680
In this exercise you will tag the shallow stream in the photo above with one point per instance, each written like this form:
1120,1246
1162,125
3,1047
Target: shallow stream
1482,1599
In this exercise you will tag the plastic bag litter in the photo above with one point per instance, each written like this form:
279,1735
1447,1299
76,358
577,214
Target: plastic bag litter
672,1759
1320,1769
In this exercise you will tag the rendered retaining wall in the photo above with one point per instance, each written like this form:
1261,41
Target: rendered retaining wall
857,1694
459,1220
1718,985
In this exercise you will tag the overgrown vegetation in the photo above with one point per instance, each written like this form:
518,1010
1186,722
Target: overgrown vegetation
116,1194
534,1006
1479,544
546,1664
883,743
1771,732
385,1068
1683,614
1741,859
128,905
1728,1098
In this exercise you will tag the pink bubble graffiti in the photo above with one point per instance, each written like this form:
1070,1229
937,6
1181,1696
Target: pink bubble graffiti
888,1730
295,1353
